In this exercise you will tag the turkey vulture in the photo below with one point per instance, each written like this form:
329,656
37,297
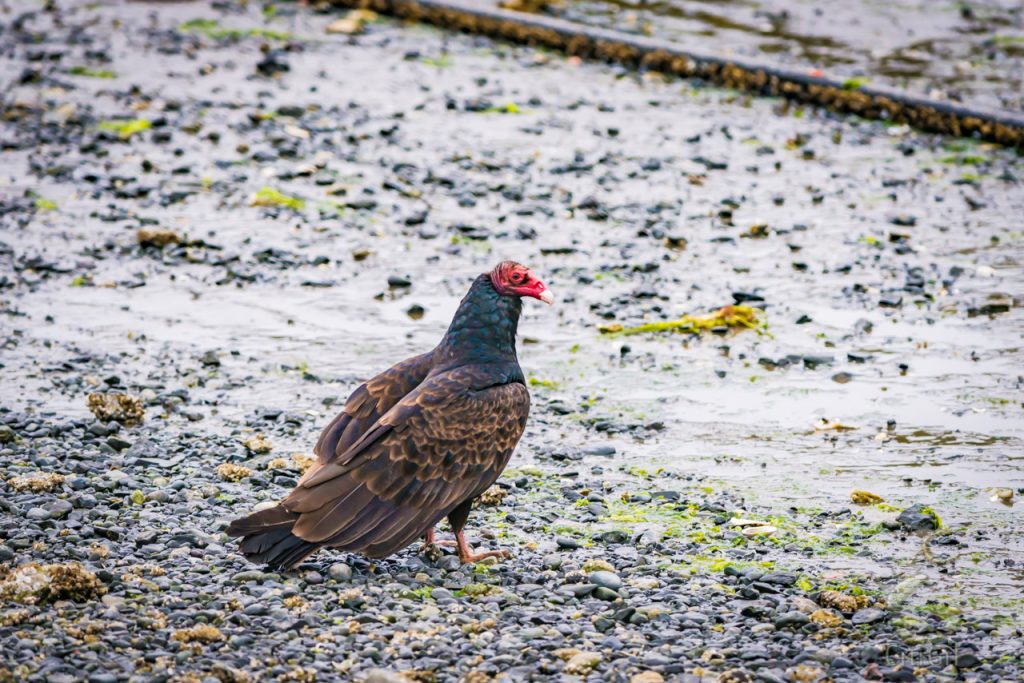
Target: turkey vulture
415,444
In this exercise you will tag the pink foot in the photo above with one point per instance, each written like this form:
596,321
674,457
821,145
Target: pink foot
430,545
466,554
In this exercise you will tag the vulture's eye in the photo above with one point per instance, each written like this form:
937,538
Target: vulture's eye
517,277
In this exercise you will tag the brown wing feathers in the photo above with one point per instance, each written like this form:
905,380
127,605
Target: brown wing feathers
408,461
436,455
367,403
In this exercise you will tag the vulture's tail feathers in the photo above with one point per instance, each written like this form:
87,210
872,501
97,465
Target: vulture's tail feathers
267,538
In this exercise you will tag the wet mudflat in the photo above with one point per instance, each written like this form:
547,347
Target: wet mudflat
966,52
237,217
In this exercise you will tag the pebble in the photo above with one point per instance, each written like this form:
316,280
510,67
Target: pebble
647,677
791,620
339,571
384,676
449,563
967,660
582,663
805,605
916,518
606,579
867,615
552,561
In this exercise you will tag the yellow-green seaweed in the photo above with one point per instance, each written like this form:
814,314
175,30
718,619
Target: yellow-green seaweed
734,317
126,128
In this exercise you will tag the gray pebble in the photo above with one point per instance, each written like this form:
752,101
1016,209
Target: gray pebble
791,620
868,615
606,579
339,571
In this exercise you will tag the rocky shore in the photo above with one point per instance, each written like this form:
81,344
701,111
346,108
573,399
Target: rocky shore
214,223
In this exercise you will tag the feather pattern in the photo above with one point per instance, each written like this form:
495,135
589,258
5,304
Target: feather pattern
410,445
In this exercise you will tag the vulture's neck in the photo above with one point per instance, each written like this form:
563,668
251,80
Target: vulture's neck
484,327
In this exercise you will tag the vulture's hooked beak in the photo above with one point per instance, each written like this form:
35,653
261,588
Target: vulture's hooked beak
547,297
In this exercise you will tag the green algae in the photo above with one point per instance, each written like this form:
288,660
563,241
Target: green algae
509,108
524,471
212,29
712,564
737,317
477,590
125,128
441,62
930,511
964,159
642,473
268,196
92,73
423,593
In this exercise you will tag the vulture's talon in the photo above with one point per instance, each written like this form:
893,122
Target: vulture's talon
431,552
470,558
467,556
431,547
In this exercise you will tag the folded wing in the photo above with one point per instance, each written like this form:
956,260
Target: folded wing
368,403
443,443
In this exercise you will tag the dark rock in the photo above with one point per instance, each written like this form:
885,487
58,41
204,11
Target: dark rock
867,615
918,517
791,620
606,579
746,297
967,660
118,444
779,578
614,536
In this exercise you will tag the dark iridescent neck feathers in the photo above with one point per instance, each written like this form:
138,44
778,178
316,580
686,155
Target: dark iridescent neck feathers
484,326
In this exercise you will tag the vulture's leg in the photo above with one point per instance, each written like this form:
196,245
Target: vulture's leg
457,519
429,548
430,538
430,544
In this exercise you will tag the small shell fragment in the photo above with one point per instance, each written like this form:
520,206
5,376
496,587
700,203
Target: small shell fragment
740,521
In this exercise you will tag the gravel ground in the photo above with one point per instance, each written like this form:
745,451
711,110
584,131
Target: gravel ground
230,220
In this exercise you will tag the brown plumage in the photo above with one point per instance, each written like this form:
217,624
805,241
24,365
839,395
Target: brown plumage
415,444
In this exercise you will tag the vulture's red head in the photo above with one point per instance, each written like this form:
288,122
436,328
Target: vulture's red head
514,279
